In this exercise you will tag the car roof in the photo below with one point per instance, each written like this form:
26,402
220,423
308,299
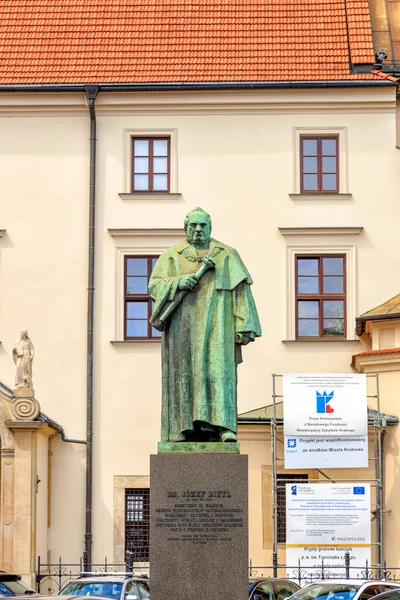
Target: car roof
255,581
9,576
101,579
44,597
285,579
360,581
354,581
109,578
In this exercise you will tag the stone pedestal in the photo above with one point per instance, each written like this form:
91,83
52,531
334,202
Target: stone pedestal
24,507
25,407
199,526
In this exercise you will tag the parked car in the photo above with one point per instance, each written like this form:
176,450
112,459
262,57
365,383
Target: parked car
11,584
342,589
108,585
271,589
392,594
51,597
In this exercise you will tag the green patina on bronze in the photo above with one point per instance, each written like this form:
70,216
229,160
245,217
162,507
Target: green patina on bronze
198,448
205,308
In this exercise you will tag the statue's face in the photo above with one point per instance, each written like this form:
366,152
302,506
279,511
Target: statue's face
198,230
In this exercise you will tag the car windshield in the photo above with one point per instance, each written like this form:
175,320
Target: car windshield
106,589
14,588
327,591
284,588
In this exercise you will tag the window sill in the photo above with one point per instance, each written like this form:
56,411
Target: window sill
149,195
321,196
118,342
321,340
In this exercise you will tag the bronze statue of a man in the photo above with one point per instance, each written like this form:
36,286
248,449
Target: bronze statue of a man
205,308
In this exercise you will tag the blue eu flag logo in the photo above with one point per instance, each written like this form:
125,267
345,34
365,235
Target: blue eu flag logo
359,490
291,443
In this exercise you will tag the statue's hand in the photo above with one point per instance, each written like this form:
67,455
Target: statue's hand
243,338
209,262
187,282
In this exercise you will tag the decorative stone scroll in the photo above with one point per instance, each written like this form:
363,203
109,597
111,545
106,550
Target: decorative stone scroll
25,409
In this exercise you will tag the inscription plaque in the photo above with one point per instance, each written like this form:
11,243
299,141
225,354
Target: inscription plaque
198,526
200,516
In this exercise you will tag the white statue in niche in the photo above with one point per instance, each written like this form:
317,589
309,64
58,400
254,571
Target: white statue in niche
23,353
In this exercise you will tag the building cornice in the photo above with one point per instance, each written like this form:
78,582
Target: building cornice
25,425
224,100
377,361
145,232
320,230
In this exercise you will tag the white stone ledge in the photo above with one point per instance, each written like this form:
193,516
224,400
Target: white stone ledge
323,197
149,195
150,341
321,341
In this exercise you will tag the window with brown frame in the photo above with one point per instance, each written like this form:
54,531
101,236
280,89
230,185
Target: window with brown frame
321,296
150,164
319,164
138,304
137,523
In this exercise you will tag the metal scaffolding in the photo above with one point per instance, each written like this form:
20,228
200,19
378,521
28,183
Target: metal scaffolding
377,425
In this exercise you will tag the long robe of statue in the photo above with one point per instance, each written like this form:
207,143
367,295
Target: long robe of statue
199,345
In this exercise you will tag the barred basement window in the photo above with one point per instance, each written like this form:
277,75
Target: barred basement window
281,481
137,523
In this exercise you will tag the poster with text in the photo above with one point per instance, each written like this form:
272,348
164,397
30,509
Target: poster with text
325,405
334,562
326,452
326,520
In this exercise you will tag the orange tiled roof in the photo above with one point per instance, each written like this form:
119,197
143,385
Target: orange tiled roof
373,353
387,76
390,307
133,41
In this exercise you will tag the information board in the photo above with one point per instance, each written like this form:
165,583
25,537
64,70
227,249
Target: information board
325,521
326,452
325,405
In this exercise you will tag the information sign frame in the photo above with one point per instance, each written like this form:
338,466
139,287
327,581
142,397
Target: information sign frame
375,424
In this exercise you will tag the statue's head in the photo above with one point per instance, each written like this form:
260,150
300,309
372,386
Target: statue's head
24,334
198,228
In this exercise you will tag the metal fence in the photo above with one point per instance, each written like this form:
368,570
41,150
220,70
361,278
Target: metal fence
51,578
303,573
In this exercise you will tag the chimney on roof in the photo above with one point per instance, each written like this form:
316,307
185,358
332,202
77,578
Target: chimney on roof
379,58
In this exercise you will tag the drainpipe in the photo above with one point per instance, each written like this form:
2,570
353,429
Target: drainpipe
91,92
383,431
